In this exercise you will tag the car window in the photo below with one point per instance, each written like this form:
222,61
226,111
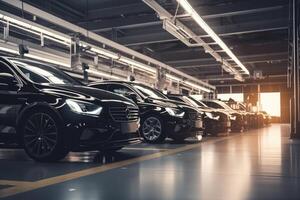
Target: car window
119,89
5,69
175,98
42,73
149,92
100,86
213,105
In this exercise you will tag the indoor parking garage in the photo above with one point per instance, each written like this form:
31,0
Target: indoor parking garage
149,99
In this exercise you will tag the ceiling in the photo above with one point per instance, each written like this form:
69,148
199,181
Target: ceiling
256,32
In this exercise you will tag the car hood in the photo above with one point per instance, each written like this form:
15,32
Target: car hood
83,93
172,103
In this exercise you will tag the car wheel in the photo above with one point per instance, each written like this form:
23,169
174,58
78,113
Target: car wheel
42,137
152,130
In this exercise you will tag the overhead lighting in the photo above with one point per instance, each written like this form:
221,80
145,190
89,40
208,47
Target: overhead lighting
173,78
105,53
37,57
105,75
27,26
121,59
197,86
9,50
190,10
137,64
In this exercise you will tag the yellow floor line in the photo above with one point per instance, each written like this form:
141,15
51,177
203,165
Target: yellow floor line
95,170
14,183
145,149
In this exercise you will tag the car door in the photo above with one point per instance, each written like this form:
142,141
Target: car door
9,98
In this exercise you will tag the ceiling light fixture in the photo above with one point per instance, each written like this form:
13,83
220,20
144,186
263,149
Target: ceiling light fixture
197,86
190,10
35,29
173,78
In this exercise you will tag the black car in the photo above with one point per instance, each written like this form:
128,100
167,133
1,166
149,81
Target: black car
237,119
214,121
49,113
160,116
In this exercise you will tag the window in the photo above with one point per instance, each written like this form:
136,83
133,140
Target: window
175,98
100,86
213,105
119,89
5,69
149,92
270,103
41,73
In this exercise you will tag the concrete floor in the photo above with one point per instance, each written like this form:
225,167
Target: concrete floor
258,164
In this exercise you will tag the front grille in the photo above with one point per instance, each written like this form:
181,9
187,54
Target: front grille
194,115
124,113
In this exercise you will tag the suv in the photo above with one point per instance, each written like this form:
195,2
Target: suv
237,119
160,116
214,121
49,113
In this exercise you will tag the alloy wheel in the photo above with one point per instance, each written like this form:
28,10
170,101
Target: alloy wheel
40,135
152,129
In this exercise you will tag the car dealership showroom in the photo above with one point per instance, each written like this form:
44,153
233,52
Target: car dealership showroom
149,99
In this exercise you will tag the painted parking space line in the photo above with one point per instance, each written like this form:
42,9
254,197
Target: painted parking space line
14,183
95,170
145,149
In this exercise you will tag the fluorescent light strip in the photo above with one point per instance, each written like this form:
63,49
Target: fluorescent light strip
173,78
122,59
35,28
189,9
9,50
137,64
197,86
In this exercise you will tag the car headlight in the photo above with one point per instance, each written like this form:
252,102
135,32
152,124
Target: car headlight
211,116
175,112
232,117
84,107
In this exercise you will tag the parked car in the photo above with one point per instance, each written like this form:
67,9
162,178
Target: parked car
160,116
266,118
214,121
250,118
49,113
236,118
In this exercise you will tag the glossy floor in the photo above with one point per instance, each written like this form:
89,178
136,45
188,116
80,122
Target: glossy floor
258,164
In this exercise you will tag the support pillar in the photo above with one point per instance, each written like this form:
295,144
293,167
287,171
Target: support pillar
295,120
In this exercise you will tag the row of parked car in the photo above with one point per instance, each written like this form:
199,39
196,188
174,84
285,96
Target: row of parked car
49,113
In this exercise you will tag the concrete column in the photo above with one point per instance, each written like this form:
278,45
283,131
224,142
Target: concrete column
295,121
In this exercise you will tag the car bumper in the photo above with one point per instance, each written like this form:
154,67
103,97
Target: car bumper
94,133
184,127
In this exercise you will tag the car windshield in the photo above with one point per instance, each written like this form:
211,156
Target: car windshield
198,103
224,105
149,92
190,101
44,74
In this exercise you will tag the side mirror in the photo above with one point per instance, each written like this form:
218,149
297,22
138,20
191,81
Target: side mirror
7,79
132,96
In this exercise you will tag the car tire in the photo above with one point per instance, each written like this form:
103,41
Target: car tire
152,129
42,136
